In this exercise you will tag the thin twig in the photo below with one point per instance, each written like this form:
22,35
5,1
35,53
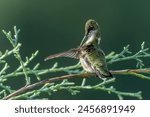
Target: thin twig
135,72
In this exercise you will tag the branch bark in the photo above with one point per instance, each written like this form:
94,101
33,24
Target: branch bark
135,72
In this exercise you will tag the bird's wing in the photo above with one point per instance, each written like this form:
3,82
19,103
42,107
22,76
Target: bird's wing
101,69
72,53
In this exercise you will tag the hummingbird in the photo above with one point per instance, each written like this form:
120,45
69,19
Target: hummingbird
91,56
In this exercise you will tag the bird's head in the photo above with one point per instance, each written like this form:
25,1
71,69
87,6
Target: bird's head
92,32
91,25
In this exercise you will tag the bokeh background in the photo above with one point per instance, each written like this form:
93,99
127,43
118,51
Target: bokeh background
52,26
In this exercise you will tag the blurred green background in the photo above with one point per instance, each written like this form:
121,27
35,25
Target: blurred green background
52,26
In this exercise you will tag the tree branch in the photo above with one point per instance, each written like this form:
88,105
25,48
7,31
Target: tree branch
135,72
50,80
83,75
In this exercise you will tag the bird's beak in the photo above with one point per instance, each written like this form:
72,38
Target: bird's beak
84,38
